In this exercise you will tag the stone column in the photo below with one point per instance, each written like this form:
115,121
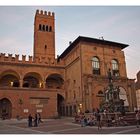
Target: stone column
90,98
44,84
130,98
21,83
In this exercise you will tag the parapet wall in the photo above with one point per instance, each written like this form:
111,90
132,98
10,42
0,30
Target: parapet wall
31,60
45,13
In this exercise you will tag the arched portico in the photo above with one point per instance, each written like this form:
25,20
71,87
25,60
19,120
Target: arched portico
32,80
123,96
9,78
54,81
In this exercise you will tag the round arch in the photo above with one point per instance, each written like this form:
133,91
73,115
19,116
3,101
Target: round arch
9,78
12,72
32,80
123,96
5,108
95,62
95,65
115,67
95,58
54,81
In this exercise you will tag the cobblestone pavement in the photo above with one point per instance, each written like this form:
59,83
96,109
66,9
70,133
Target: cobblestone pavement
60,126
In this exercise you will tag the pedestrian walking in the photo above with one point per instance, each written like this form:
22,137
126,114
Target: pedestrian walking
30,120
39,118
98,118
82,121
85,121
35,121
138,118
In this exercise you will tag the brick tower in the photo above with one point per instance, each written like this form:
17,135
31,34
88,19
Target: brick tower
44,35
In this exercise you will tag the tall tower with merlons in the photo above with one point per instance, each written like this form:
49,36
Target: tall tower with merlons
44,35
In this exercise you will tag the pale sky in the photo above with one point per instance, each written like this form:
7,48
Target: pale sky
115,23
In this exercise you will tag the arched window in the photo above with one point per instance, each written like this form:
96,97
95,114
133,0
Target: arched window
115,67
47,28
40,27
100,94
50,28
43,27
45,46
96,65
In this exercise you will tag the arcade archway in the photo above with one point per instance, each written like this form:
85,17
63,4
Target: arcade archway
32,80
9,78
54,81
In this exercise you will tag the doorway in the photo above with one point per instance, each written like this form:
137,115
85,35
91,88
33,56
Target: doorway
5,109
60,100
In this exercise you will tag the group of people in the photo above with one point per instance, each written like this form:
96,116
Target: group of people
91,120
105,118
34,121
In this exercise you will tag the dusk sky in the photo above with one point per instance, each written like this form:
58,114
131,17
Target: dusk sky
119,24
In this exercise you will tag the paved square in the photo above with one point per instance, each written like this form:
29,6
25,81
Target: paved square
60,126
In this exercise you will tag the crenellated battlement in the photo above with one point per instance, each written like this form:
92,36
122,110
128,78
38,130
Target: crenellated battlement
30,60
45,13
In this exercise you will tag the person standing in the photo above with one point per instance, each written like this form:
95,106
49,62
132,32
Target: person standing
35,121
30,120
98,118
82,120
39,118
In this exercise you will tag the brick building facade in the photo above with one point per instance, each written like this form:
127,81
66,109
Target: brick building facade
64,85
138,90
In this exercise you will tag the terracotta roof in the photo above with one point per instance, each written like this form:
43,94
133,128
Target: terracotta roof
91,40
